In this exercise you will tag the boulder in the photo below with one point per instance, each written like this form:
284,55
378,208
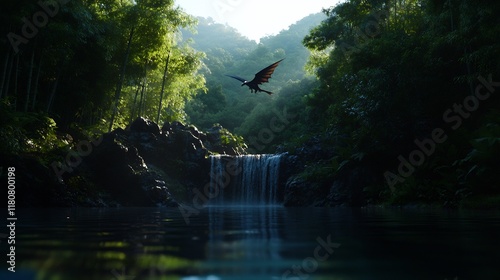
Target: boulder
143,125
118,168
178,153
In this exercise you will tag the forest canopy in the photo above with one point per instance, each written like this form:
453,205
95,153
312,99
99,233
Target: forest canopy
391,75
95,62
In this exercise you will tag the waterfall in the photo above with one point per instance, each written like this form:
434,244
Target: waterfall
247,179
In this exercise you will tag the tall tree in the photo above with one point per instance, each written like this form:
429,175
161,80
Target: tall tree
122,78
164,79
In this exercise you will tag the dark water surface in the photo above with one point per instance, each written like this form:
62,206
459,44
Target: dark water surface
255,243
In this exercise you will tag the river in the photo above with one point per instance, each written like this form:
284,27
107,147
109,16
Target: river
262,242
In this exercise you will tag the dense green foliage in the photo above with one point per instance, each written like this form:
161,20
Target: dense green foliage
390,73
73,60
26,132
234,107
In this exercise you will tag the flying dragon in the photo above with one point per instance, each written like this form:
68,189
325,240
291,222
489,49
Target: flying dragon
261,77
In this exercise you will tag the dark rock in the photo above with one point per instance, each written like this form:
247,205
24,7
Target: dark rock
173,126
177,152
300,192
196,133
344,187
38,186
140,166
213,141
30,175
157,190
119,169
145,126
349,185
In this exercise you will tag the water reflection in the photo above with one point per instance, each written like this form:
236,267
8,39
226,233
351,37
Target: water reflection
244,240
224,243
103,244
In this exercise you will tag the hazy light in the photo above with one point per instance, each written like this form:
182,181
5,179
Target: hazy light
257,18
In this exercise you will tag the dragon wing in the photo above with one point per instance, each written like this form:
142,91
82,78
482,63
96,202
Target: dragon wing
264,75
237,78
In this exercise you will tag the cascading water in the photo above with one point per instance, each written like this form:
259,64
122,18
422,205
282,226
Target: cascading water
246,179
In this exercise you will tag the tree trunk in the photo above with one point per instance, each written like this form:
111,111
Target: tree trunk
165,72
120,82
4,73
16,79
143,109
37,78
142,97
54,89
30,76
144,89
9,72
134,106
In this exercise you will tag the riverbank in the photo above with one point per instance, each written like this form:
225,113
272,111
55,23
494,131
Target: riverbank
149,165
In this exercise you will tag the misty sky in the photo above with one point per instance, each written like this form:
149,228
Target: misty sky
255,18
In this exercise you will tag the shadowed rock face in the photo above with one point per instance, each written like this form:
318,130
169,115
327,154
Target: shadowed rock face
344,187
35,184
145,165
140,166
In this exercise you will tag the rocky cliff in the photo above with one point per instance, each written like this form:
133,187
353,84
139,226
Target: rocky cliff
143,165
